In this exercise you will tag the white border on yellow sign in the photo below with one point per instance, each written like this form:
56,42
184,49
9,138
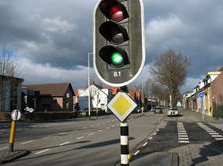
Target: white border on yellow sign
127,113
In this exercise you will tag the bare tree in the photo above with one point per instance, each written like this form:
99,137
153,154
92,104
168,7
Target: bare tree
170,70
160,92
7,63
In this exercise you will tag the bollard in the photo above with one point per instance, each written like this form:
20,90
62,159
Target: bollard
15,115
12,136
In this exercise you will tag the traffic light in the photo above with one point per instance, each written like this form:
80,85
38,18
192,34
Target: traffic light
119,47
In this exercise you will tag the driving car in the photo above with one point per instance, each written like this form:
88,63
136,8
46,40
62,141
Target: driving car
173,111
158,110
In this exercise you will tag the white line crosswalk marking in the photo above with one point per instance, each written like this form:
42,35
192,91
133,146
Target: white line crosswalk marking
211,132
182,134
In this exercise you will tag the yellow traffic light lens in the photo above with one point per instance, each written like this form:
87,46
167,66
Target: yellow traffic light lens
117,59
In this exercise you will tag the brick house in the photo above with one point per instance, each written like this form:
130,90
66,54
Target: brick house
49,97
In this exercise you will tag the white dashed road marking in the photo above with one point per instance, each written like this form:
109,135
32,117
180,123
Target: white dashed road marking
137,152
78,138
65,143
23,143
3,148
42,151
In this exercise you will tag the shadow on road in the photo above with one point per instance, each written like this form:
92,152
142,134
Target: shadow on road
212,149
101,144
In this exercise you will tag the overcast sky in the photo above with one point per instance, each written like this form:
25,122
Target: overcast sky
51,38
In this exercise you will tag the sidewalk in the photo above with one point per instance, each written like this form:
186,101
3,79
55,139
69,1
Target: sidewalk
6,156
197,116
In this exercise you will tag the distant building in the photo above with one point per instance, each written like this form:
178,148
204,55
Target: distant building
10,93
99,98
206,95
48,97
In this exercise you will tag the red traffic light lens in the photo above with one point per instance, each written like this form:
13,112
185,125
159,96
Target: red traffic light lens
116,13
113,10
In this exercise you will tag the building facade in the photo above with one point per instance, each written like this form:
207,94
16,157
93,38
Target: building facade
206,95
10,93
48,97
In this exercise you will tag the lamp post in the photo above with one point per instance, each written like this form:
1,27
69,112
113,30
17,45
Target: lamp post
89,90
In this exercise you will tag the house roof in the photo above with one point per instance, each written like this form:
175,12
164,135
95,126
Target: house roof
55,89
11,78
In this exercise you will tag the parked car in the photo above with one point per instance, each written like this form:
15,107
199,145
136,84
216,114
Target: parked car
158,110
173,111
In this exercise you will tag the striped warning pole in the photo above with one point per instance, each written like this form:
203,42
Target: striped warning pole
124,132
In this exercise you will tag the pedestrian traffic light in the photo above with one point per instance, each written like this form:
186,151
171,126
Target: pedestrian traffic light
119,51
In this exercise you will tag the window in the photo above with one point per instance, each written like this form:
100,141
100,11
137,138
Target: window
67,105
68,95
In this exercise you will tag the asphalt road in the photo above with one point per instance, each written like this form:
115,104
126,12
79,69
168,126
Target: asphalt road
185,133
78,141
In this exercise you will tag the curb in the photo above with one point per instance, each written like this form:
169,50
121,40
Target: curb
11,156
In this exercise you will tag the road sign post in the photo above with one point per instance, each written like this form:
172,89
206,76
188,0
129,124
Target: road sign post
15,115
122,105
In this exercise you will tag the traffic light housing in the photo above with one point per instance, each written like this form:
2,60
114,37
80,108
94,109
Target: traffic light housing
119,46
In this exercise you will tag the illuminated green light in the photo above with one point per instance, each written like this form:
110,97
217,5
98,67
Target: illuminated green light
117,58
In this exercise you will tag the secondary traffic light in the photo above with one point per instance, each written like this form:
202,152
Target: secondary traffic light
119,51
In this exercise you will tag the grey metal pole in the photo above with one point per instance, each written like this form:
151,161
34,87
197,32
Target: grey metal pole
89,95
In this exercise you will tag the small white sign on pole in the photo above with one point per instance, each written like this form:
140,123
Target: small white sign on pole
16,115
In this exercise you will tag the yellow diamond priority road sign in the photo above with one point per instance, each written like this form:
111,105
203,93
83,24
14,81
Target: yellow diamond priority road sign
122,105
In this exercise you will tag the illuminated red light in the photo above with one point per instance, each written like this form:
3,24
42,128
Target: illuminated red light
116,13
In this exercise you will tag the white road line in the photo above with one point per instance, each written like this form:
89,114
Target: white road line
78,138
42,151
65,143
211,132
150,137
182,134
218,139
23,143
145,144
217,136
184,141
91,134
3,148
183,138
137,152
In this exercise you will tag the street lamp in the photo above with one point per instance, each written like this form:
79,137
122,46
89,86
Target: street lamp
89,91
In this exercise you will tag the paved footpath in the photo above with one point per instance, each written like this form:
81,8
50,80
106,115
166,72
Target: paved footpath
205,154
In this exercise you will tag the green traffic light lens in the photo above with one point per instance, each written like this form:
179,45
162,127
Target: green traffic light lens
117,59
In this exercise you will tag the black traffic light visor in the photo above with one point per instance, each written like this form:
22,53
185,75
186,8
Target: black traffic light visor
114,33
